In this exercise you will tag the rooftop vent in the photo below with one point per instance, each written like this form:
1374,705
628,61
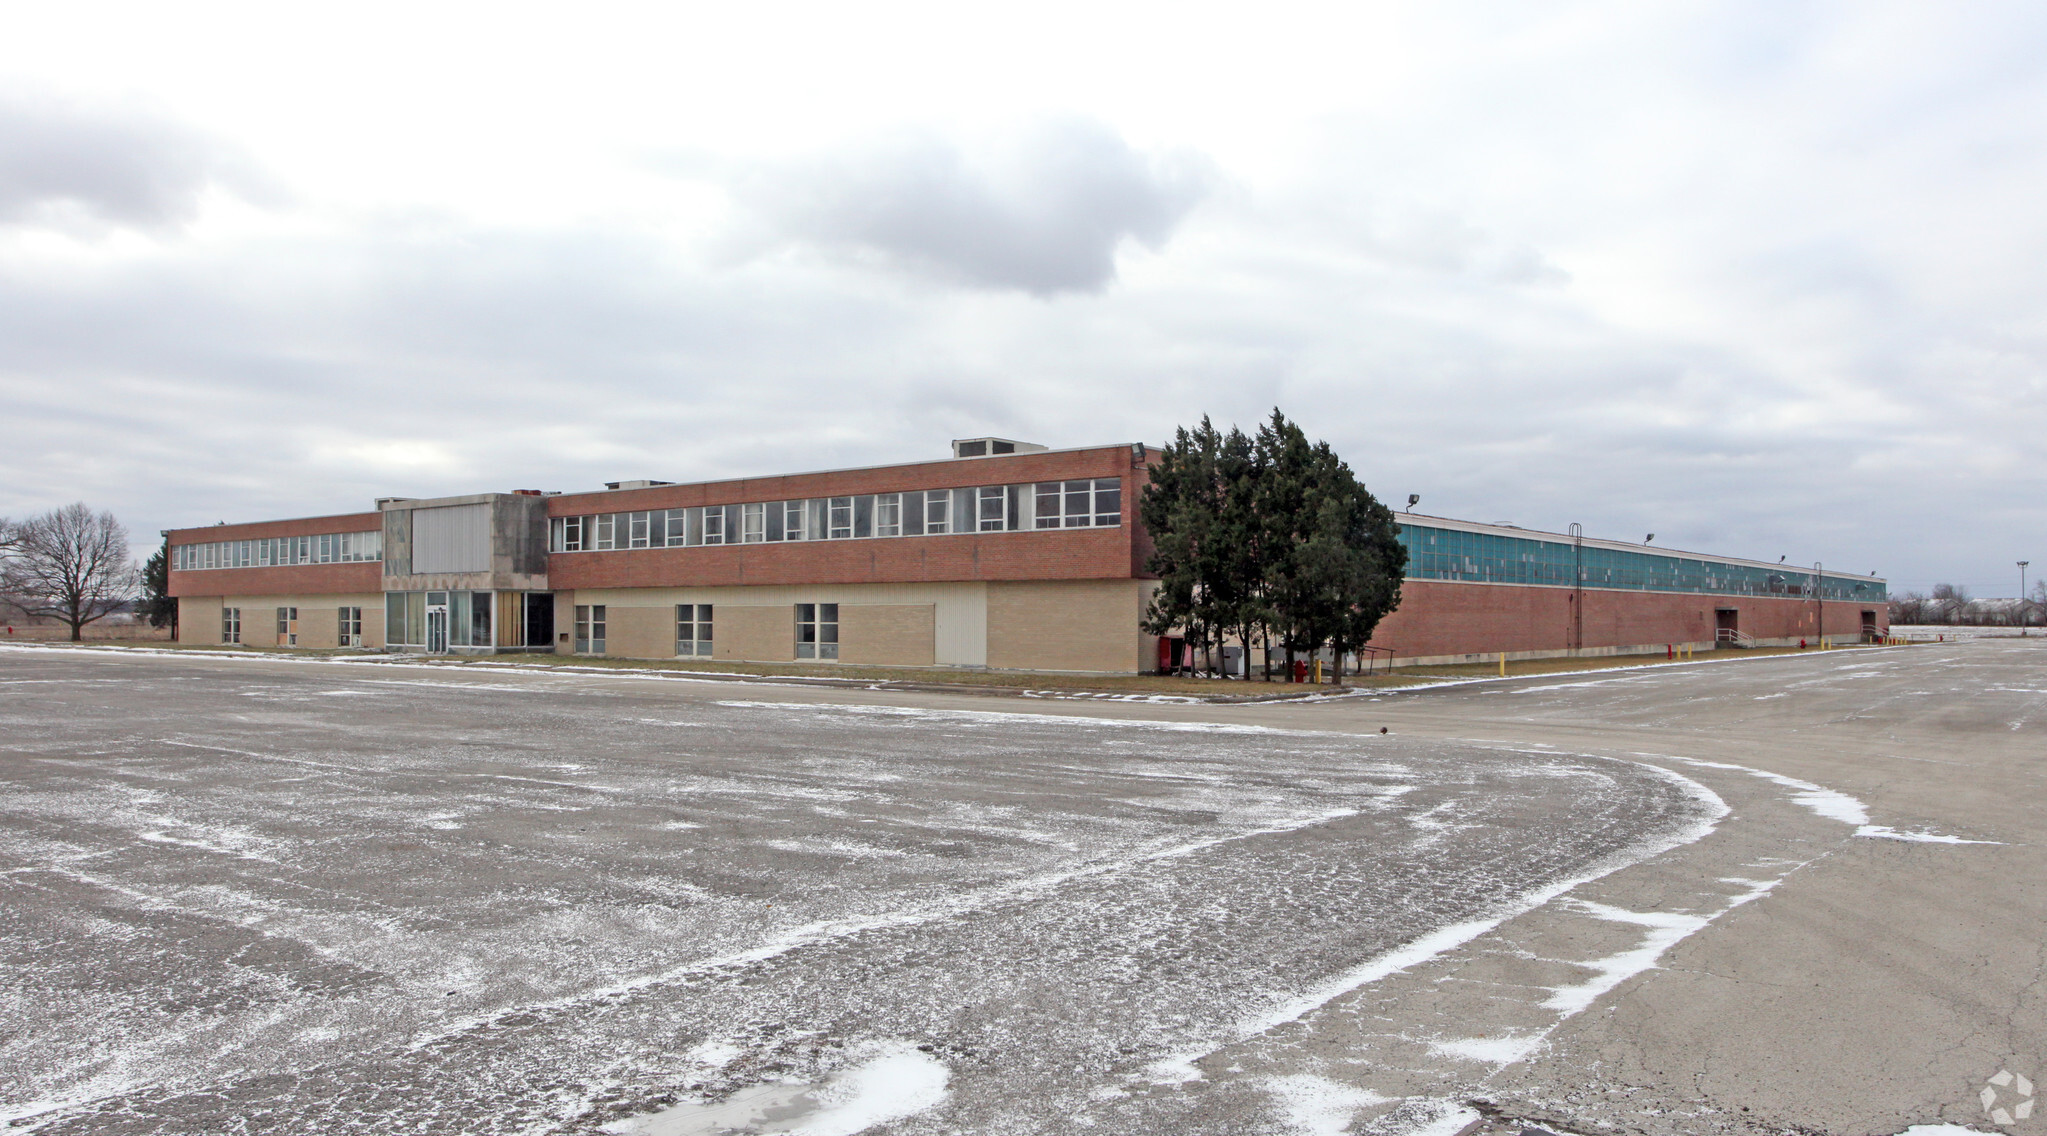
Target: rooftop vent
641,484
989,447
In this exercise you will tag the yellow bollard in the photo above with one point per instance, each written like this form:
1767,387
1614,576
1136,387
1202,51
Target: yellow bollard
1503,664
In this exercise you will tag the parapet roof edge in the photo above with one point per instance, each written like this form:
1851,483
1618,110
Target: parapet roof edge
1427,521
386,504
172,532
1150,448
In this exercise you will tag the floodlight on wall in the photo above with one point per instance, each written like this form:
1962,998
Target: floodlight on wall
1647,539
1413,499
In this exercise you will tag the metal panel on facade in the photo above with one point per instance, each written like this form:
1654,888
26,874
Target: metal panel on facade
451,538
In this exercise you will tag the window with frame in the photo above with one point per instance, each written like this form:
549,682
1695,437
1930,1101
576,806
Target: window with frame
607,531
230,625
636,529
287,627
888,514
817,631
992,511
1108,501
792,520
349,631
692,629
937,512
753,523
840,525
1082,503
590,629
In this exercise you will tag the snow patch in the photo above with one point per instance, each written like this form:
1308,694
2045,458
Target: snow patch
716,1054
1180,1068
1885,832
1833,804
1317,1106
1492,1050
899,1080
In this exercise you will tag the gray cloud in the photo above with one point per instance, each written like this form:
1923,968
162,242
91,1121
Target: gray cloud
1043,211
70,165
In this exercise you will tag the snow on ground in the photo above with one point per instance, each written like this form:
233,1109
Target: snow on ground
349,901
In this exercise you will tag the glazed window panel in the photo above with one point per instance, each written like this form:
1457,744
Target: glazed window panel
693,629
817,631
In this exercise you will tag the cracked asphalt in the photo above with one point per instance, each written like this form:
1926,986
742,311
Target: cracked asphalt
284,896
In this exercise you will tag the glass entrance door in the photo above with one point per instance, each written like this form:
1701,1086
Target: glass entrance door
437,629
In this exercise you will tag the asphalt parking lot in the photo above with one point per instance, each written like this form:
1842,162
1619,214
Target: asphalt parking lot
280,896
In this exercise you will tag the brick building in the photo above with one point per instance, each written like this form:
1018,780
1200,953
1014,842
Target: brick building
1007,556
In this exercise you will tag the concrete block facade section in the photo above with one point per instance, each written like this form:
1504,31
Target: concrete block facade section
755,634
1085,625
888,635
879,624
318,624
483,542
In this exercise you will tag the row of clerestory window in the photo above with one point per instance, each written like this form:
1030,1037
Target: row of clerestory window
1082,503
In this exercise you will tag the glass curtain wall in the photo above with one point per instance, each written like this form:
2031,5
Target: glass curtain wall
470,620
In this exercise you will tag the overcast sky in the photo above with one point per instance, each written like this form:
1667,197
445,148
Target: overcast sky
1764,279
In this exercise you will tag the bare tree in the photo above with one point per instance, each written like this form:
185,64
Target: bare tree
1908,608
69,564
1949,603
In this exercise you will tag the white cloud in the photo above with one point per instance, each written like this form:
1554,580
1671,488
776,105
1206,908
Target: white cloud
1043,209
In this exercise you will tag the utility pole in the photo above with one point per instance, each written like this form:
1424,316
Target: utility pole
2022,597
1577,587
1819,601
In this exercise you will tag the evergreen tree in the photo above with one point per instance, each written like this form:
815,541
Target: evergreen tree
1272,534
158,606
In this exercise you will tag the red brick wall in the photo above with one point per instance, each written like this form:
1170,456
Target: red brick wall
297,526
352,578
1008,469
1445,618
1053,554
1050,554
357,578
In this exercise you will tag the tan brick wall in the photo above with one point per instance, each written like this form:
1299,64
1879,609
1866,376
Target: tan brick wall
1082,625
198,619
898,635
637,632
760,634
319,622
